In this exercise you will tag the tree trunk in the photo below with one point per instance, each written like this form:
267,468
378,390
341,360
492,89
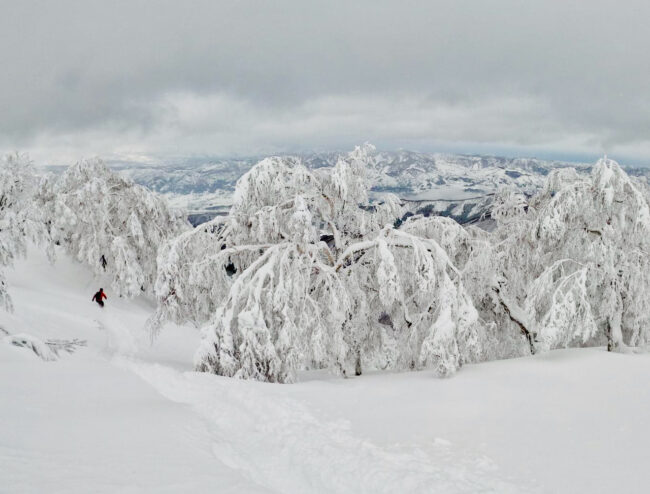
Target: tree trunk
614,334
517,320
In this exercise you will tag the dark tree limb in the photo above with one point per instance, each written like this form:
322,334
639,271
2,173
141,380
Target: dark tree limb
522,327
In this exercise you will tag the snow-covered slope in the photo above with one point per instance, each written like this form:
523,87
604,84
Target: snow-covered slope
120,415
81,423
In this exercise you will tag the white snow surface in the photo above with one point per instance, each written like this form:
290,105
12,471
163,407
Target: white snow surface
122,416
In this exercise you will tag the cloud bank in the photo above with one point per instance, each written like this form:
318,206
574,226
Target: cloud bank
136,78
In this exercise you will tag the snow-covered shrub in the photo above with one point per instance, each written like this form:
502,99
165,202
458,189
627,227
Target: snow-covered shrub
109,223
33,344
47,350
20,221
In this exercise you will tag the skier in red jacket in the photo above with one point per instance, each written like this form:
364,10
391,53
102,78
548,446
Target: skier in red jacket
99,297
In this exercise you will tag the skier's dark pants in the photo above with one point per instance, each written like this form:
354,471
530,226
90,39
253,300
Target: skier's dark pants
100,302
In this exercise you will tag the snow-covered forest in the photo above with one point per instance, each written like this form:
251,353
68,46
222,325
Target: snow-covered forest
306,272
308,279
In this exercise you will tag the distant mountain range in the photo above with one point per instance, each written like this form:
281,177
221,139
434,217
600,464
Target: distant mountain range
459,186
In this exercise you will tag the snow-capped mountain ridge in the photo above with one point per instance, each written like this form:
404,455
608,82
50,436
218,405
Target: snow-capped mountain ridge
454,185
406,172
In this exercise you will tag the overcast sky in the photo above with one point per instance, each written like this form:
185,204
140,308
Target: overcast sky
562,79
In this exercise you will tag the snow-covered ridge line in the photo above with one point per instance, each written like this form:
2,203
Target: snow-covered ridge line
457,186
198,185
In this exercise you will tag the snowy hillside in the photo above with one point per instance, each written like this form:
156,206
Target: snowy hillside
118,415
309,283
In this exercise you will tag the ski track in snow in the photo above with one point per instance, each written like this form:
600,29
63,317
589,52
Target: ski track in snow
277,442
119,416
257,437
119,340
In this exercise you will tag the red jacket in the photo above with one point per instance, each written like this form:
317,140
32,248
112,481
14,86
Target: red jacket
99,296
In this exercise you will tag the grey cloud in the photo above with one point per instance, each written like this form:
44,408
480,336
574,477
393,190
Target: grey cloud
112,74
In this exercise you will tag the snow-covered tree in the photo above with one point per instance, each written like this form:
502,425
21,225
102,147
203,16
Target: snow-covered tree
409,309
306,272
573,269
394,301
282,314
602,225
195,272
198,268
109,223
20,222
566,267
